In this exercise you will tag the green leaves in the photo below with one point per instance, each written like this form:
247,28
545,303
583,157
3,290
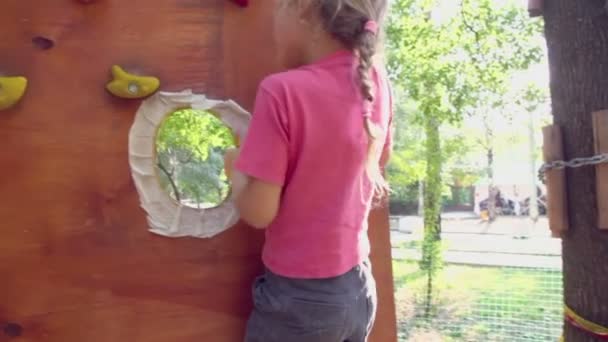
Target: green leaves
443,64
192,131
452,59
449,60
190,146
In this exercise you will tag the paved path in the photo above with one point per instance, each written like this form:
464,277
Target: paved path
470,241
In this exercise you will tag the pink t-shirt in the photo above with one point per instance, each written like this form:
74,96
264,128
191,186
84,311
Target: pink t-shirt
307,135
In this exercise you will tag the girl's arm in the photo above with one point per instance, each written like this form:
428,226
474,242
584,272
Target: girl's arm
259,168
257,201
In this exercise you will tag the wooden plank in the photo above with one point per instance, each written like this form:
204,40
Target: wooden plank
600,137
76,260
556,181
385,326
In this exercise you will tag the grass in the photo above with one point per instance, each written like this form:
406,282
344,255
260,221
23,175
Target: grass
479,304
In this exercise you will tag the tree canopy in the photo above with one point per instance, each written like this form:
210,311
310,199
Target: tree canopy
450,60
190,146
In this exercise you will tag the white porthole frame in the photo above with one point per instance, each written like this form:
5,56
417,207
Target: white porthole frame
166,216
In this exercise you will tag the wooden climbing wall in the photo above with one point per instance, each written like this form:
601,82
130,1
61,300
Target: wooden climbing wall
76,260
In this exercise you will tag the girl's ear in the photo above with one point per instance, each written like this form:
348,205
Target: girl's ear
306,10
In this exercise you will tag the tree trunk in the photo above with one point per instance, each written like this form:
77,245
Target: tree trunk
431,258
533,204
420,198
577,39
491,188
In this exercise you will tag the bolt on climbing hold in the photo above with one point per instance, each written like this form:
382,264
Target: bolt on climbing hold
133,88
12,90
129,86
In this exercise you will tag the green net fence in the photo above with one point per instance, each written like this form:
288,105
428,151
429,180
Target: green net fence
494,286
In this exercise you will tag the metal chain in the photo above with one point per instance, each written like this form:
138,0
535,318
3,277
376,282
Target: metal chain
574,163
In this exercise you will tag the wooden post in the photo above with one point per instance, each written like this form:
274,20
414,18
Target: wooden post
556,181
535,8
600,138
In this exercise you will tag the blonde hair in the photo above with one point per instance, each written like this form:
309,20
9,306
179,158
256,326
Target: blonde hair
345,20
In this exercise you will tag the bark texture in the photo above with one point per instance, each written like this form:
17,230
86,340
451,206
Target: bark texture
577,39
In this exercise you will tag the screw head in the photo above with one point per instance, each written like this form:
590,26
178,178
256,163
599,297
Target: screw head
133,88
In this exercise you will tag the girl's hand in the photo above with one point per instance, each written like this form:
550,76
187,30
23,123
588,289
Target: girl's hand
230,156
238,181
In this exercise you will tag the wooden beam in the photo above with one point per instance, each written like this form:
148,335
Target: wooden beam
600,138
556,181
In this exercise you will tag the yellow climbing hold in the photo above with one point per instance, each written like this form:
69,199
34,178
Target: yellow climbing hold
11,91
130,86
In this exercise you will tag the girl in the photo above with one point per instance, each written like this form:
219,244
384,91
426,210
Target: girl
309,168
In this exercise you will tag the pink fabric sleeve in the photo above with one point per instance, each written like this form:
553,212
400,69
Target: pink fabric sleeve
264,153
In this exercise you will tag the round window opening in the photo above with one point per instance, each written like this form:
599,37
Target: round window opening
190,146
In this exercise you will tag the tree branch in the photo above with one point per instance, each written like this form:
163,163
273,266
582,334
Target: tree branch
470,27
466,22
170,177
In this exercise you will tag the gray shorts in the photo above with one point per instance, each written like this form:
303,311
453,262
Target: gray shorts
340,309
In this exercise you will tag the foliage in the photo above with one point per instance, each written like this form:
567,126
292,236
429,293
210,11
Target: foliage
407,166
531,97
408,162
190,146
449,65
